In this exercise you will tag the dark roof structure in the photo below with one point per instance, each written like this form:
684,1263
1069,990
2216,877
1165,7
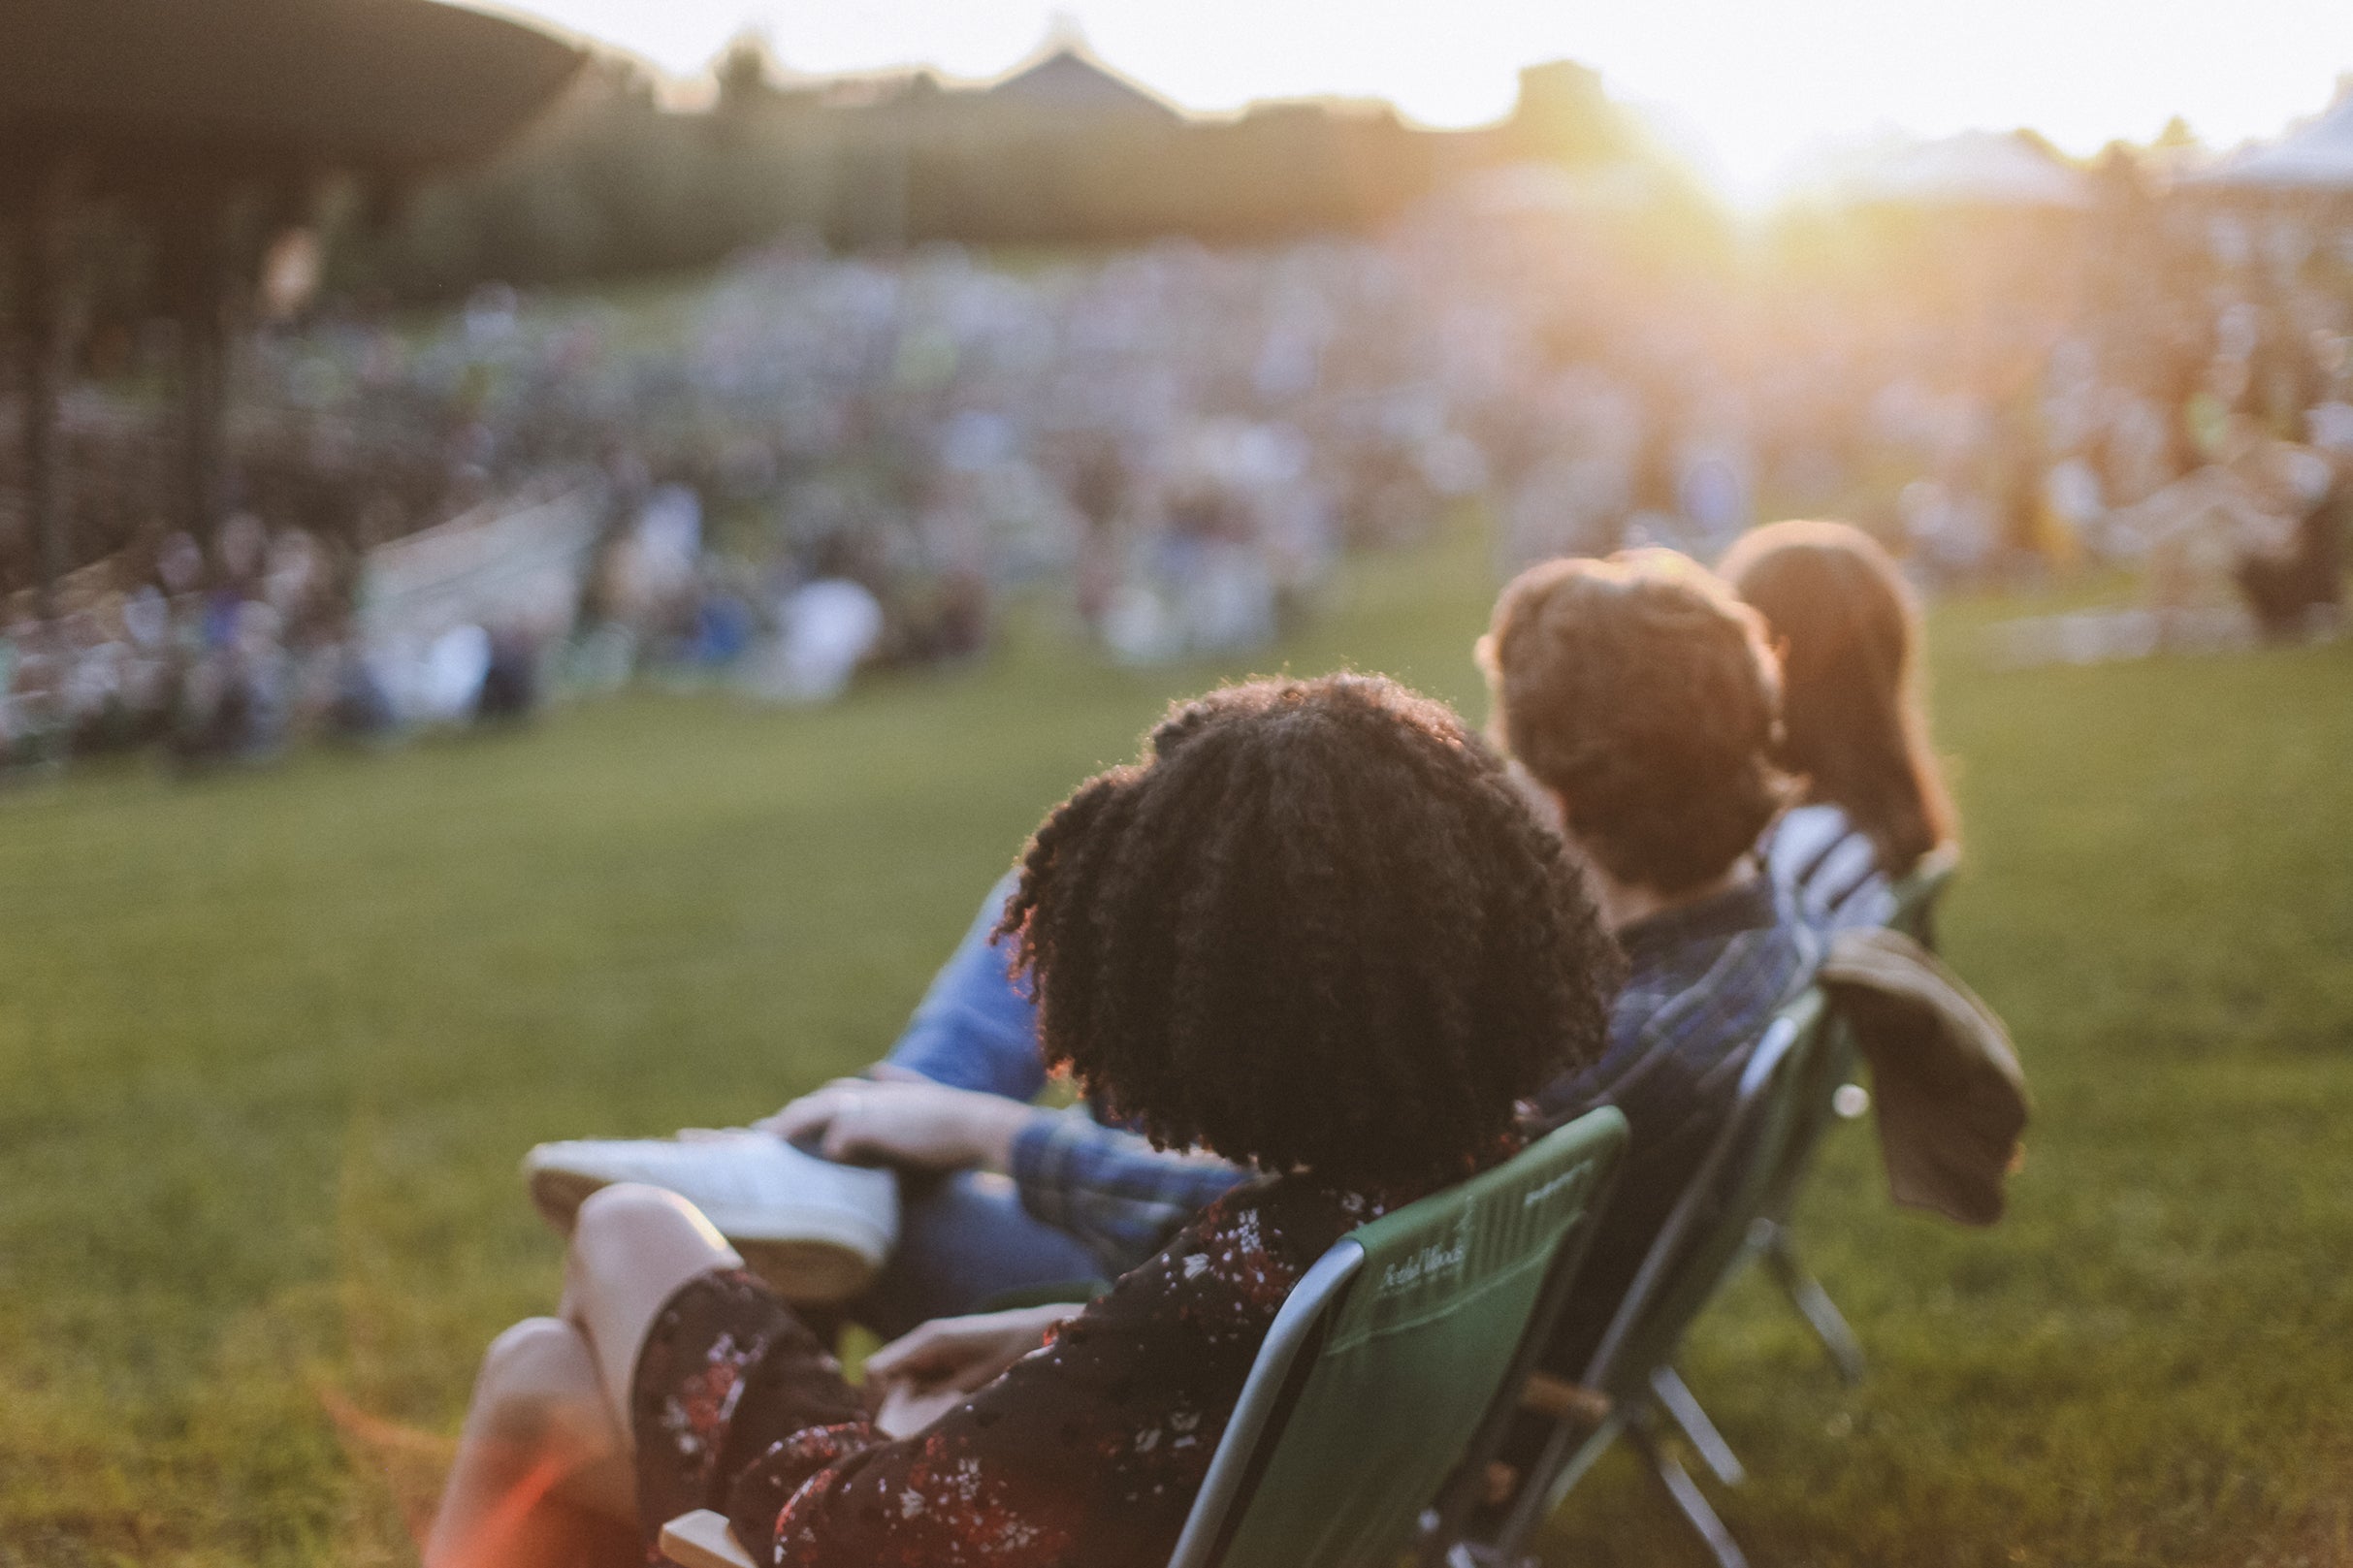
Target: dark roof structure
182,109
398,86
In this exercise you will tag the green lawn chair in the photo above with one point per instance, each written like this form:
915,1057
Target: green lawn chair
1834,1094
1390,1361
1630,1383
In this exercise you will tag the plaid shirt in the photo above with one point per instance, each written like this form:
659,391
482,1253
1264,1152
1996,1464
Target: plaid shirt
1120,1196
1704,980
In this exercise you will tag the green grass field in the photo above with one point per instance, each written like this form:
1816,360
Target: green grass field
272,1044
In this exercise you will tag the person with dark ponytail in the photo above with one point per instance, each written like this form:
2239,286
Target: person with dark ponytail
1317,931
1854,731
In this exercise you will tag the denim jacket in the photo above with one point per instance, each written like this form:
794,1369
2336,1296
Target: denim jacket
976,1028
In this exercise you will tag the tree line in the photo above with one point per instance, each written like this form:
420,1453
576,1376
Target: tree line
613,182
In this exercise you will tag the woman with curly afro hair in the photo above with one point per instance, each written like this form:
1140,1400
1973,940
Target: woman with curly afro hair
1315,930
1296,902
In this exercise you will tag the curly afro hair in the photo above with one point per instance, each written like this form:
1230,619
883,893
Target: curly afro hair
1314,928
1642,693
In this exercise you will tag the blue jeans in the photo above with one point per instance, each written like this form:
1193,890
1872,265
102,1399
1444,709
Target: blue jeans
964,1241
976,1027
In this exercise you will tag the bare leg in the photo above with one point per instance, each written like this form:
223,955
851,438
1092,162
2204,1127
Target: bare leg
543,1474
632,1248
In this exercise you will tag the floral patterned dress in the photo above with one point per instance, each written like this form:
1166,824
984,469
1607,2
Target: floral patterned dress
1087,1454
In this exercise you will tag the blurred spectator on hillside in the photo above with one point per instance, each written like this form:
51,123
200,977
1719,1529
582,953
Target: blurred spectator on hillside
1170,446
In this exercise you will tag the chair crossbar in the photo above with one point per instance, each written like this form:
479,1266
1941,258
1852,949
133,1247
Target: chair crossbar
1813,1304
1688,1497
1677,1400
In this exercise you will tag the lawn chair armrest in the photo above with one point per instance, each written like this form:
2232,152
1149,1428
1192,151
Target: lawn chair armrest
702,1540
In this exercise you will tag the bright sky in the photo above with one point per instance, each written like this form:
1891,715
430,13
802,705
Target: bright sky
1746,87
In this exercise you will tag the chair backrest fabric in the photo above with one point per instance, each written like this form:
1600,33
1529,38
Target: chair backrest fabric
1388,1354
1707,1233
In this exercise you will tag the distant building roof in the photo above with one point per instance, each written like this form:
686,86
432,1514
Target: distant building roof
1976,168
1069,80
1536,188
2317,155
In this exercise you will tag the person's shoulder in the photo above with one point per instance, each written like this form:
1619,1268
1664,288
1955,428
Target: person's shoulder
1284,1207
1258,1239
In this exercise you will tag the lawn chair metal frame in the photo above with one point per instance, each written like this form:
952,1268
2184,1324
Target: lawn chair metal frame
1287,1361
1837,1097
1298,1324
1630,1386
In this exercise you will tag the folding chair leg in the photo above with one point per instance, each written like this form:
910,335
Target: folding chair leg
1668,1384
1688,1497
1814,1303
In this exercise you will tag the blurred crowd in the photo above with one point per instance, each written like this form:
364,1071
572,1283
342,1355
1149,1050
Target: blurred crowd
816,465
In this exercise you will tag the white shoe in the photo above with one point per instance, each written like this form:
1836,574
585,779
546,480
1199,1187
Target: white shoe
815,1230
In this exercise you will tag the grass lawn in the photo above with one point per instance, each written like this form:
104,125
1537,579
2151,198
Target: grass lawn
271,1045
